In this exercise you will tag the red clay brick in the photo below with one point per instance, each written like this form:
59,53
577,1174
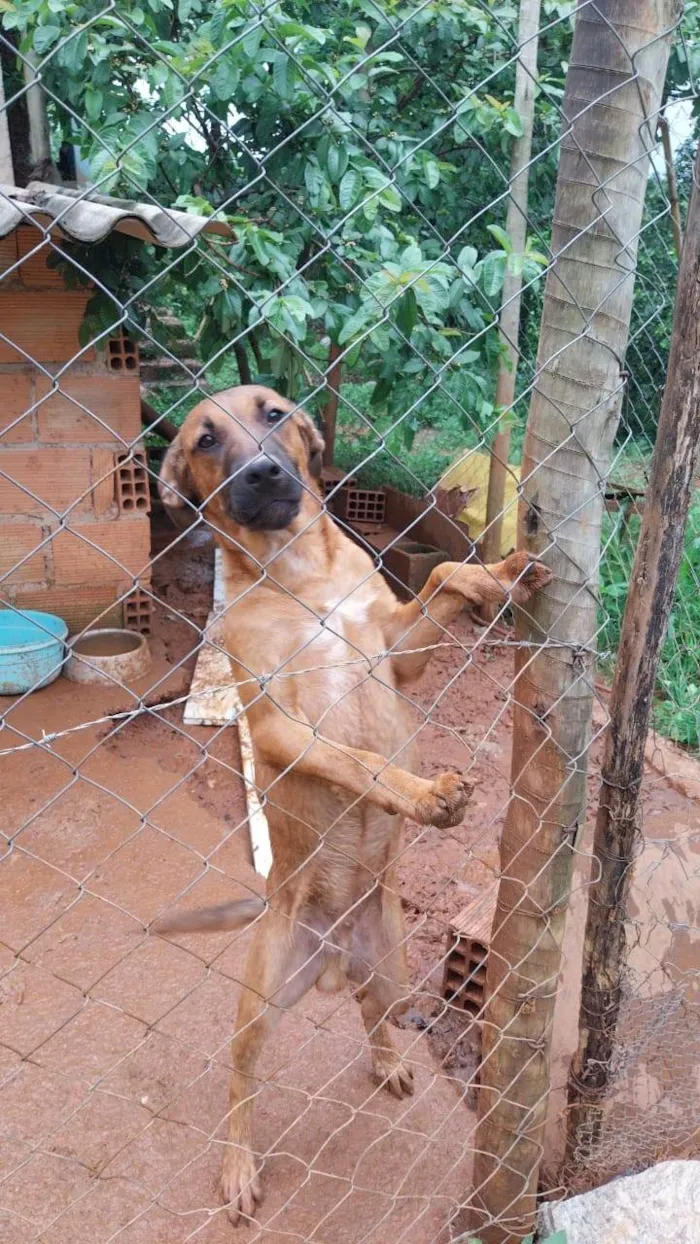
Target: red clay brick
116,400
17,402
35,250
18,541
34,1005
80,606
56,477
104,490
33,247
9,253
43,327
102,551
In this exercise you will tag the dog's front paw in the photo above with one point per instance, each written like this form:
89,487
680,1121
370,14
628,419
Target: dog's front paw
445,800
241,1188
392,1072
523,575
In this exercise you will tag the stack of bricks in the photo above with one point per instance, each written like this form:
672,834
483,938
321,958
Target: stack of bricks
74,495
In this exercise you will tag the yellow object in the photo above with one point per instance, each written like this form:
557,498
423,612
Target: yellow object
471,474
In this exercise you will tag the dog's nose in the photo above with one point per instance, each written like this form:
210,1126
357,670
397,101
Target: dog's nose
261,472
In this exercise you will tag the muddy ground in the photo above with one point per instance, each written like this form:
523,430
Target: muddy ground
113,1043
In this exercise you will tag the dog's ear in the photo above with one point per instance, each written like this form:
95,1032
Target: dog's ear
176,487
314,442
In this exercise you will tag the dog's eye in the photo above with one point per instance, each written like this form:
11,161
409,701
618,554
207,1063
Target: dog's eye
274,416
206,441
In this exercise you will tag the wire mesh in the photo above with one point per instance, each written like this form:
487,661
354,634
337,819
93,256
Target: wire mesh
357,172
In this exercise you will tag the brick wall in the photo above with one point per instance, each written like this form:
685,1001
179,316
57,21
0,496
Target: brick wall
75,533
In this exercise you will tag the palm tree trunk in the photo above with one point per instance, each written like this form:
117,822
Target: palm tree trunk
652,586
613,90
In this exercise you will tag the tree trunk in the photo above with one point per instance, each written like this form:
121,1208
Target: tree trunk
671,185
652,587
7,176
613,88
516,227
16,109
330,410
242,363
39,137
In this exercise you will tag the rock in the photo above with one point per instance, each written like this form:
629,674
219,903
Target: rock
658,1206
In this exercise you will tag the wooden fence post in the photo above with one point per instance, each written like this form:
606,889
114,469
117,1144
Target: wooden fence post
613,90
649,601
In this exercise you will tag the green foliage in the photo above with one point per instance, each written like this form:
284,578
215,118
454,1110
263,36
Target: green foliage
339,152
676,710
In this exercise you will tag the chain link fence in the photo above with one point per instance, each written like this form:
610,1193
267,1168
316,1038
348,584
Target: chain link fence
315,201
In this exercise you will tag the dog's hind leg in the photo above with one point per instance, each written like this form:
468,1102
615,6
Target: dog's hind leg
378,964
285,961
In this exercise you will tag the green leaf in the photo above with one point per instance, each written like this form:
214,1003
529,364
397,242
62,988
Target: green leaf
365,314
284,75
492,273
73,53
411,257
93,103
226,78
467,258
45,37
314,180
257,243
501,237
374,177
513,123
251,41
337,161
432,173
391,198
349,189
407,313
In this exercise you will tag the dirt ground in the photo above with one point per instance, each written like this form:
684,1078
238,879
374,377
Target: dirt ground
114,1044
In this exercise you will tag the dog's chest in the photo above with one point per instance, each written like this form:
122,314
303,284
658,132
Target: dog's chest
340,685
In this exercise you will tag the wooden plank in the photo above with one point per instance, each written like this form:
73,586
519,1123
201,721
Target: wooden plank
214,701
476,920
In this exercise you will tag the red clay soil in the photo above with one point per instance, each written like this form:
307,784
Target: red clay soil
114,1044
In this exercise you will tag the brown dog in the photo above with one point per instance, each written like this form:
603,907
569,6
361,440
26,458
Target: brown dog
322,651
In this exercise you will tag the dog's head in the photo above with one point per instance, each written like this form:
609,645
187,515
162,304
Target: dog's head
248,458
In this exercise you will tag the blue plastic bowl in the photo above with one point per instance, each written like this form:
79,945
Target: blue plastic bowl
31,649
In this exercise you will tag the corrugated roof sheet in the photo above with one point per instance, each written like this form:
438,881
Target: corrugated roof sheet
85,216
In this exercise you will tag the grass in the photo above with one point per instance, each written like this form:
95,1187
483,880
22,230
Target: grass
676,711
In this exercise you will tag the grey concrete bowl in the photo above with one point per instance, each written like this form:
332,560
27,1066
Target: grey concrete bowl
107,655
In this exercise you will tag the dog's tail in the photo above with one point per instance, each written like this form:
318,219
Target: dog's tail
219,919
